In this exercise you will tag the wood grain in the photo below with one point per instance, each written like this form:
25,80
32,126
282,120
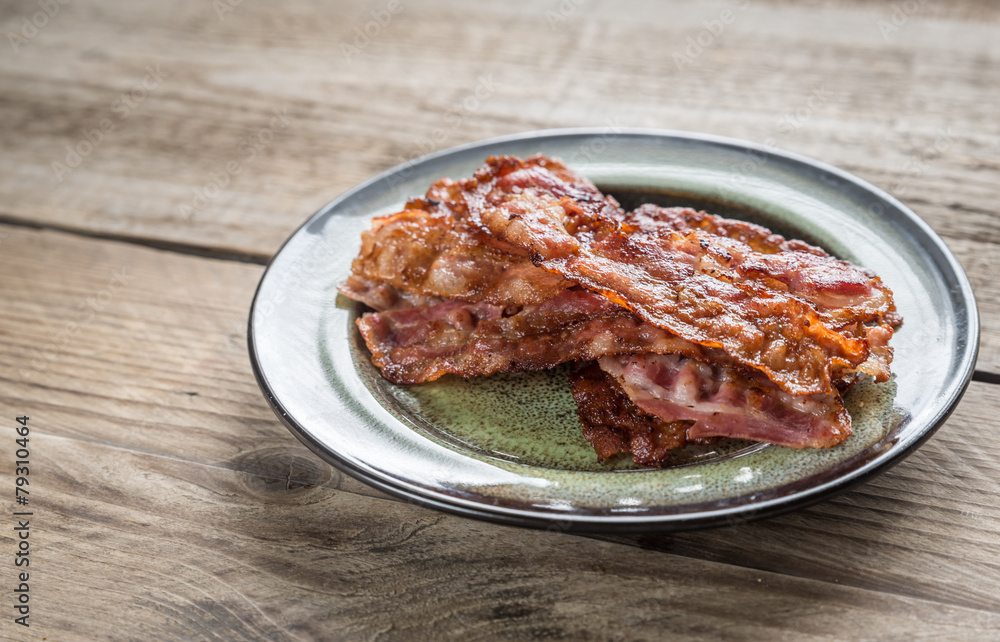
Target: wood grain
911,111
936,510
167,487
185,550
171,504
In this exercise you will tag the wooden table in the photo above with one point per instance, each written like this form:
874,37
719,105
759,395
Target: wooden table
155,155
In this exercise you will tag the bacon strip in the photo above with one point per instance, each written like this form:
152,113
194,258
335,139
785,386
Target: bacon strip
653,219
613,424
382,296
427,250
841,292
726,402
420,344
570,230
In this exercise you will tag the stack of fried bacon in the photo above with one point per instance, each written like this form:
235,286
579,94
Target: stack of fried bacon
684,326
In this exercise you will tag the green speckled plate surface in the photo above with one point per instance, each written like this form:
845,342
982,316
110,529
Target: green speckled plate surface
509,448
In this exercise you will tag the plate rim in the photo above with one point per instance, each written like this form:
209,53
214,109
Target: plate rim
674,521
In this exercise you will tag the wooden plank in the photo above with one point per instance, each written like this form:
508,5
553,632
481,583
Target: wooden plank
909,110
354,117
137,546
926,528
154,441
139,348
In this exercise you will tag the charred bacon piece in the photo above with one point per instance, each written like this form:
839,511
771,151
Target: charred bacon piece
653,219
826,293
679,282
429,249
613,424
839,291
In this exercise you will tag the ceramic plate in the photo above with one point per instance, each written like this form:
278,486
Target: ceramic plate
509,448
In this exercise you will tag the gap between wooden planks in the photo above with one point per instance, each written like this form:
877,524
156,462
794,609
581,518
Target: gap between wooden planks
158,451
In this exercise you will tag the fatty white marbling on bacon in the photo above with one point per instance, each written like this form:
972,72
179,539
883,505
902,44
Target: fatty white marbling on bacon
726,402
